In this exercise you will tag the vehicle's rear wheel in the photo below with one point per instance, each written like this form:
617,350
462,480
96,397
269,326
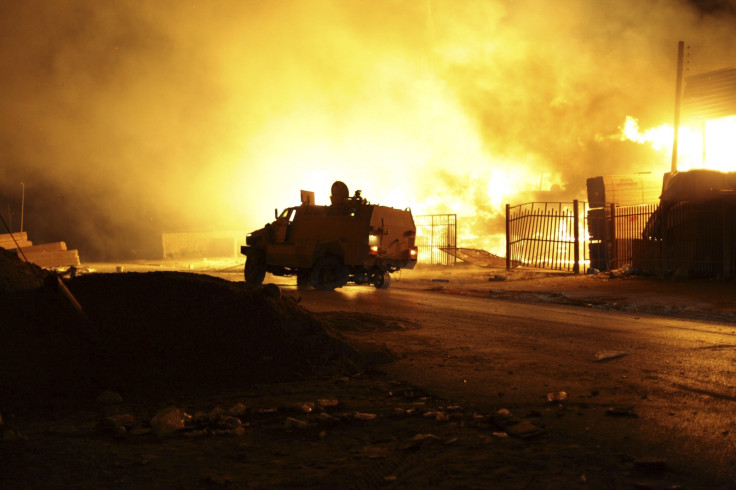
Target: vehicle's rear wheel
255,268
329,273
381,280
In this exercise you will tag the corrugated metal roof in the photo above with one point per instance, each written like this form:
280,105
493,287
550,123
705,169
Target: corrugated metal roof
710,95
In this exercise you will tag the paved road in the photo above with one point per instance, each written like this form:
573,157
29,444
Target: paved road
672,393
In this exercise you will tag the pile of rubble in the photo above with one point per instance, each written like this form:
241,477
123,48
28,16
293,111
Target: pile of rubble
157,333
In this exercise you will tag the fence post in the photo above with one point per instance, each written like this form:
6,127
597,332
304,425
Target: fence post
726,240
614,255
576,216
508,244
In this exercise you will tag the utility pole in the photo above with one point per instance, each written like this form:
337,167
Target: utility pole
22,205
678,102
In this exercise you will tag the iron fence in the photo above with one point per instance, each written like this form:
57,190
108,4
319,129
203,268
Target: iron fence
615,234
685,239
435,231
543,234
557,236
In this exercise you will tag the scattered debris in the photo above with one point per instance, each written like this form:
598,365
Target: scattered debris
609,355
364,416
421,440
524,430
292,423
307,407
324,403
515,427
438,416
650,465
426,437
557,396
121,423
622,412
169,420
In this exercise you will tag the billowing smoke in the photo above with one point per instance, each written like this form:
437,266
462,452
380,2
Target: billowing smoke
127,118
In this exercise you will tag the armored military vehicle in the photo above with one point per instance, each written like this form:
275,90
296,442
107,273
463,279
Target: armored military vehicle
326,247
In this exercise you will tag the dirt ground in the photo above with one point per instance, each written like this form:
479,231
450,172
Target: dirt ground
178,379
707,299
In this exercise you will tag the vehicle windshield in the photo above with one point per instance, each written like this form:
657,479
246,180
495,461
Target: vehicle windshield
287,213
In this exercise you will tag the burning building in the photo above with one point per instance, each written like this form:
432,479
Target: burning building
691,233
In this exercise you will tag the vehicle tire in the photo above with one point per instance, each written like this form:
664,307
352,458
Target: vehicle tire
303,278
329,273
382,281
361,277
255,268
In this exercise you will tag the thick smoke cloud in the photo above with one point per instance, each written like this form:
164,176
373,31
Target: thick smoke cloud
126,118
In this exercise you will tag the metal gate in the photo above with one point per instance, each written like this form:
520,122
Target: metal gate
616,234
433,232
543,234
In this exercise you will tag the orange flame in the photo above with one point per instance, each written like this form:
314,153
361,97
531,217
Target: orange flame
712,145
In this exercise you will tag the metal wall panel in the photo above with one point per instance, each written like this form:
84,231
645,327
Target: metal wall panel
710,95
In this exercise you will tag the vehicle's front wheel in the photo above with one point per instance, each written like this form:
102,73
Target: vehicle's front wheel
255,268
303,278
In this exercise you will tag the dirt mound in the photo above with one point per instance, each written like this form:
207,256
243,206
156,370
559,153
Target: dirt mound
16,275
159,333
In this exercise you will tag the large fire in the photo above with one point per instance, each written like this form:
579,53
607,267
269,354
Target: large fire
709,145
128,119
431,159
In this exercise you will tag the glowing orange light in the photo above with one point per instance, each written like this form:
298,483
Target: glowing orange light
710,145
